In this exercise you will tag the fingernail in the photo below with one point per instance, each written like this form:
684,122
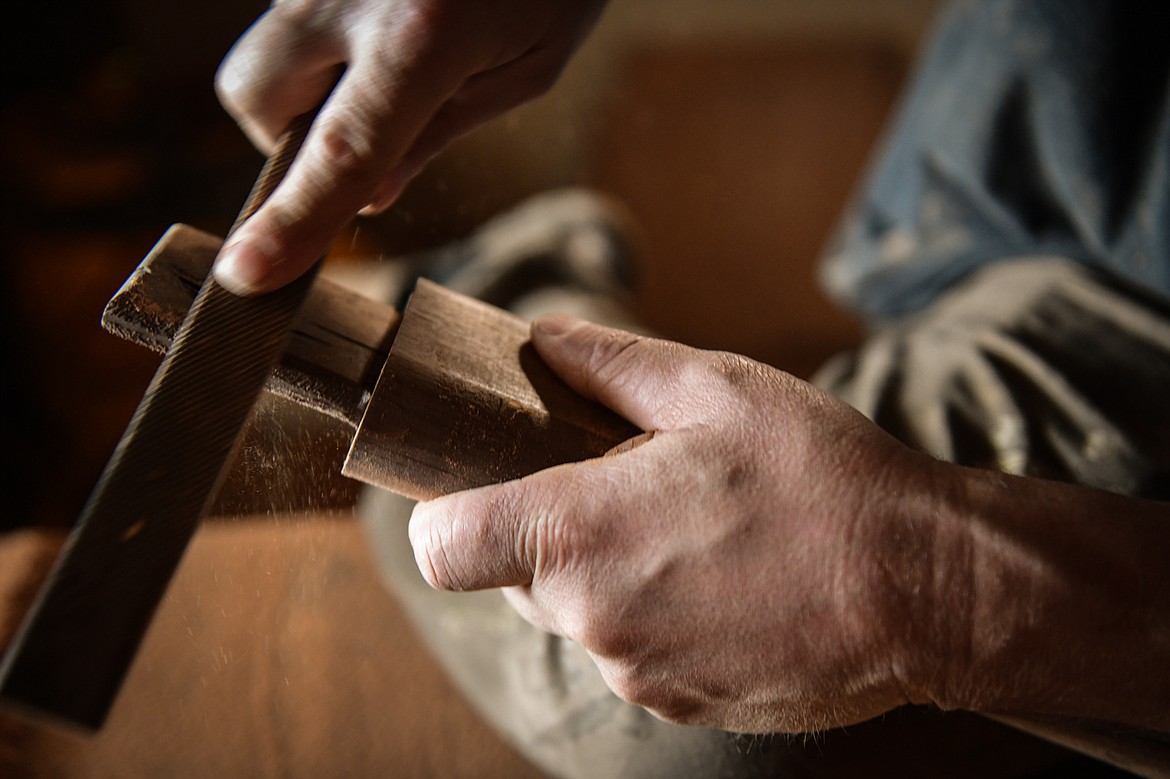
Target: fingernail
244,264
555,324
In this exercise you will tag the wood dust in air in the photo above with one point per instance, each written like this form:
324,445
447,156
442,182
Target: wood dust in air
288,461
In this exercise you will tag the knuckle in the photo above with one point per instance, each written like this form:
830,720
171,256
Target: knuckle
633,686
594,633
655,693
271,61
248,70
625,684
346,146
407,34
230,88
601,628
679,709
240,83
533,546
724,380
729,371
611,356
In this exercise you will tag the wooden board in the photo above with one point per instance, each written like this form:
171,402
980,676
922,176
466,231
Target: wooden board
464,401
335,352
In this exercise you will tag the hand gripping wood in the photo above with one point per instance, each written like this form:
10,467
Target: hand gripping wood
449,396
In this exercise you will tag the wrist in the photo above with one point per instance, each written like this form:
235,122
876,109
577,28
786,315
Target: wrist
924,577
1033,583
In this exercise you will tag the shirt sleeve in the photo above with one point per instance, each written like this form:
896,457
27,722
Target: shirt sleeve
1030,128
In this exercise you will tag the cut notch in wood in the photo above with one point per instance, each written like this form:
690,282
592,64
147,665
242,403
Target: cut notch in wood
465,401
336,350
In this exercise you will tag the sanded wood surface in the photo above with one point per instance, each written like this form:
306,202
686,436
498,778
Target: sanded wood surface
464,400
335,352
276,652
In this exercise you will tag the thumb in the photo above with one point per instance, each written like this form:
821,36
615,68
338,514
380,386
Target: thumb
639,378
479,538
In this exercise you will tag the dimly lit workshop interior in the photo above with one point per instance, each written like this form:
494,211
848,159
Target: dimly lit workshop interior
733,133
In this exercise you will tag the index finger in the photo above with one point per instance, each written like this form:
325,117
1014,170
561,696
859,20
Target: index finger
373,116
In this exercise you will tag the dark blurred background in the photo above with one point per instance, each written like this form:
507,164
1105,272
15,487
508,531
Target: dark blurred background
109,131
733,131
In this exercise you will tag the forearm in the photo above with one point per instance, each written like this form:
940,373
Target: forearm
1057,599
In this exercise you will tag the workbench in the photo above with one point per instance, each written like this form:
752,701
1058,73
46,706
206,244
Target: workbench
275,652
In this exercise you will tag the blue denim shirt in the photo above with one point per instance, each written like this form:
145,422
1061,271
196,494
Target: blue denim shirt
1032,127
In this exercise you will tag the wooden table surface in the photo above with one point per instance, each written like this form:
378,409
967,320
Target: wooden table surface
276,652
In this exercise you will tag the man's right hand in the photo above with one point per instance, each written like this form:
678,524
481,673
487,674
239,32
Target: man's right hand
417,75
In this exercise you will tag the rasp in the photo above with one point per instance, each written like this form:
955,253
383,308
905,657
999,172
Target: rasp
74,649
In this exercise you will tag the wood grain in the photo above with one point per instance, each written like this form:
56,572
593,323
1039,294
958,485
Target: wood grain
338,343
462,398
464,401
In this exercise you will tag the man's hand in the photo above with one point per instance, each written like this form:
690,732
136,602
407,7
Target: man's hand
417,74
771,561
741,569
